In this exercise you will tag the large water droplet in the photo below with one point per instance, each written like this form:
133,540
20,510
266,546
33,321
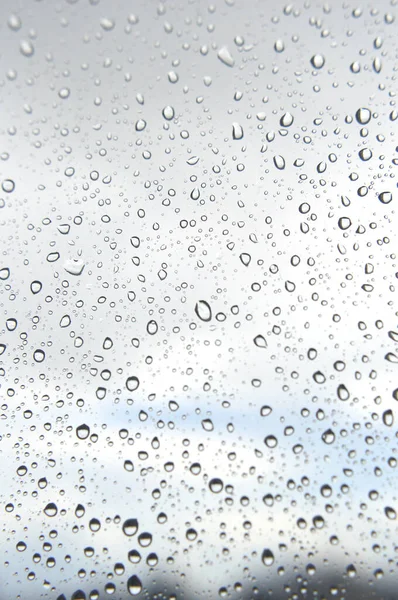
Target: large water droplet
216,485
130,527
225,56
267,557
134,585
132,383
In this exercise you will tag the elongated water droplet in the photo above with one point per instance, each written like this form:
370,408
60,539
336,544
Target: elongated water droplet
237,131
279,162
203,310
225,56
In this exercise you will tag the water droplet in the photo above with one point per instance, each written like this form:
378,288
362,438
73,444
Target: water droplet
319,377
39,355
134,585
203,310
245,258
271,441
8,186
94,525
107,24
237,131
267,557
14,22
74,266
64,93
328,436
195,468
344,223
80,511
65,321
152,327
385,197
50,510
342,393
132,383
279,162
225,56
130,527
4,273
140,125
168,113
318,61
26,48
83,431
286,120
260,341
390,513
388,418
216,485
363,116
35,287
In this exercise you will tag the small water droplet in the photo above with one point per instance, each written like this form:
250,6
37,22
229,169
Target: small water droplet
26,48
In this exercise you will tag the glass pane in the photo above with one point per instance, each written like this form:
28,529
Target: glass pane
198,300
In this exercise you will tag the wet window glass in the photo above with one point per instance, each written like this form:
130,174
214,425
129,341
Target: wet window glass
198,291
